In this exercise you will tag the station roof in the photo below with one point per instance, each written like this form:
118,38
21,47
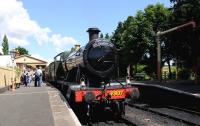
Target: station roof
29,60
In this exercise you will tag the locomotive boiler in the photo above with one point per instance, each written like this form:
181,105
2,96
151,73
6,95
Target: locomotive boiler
94,62
85,75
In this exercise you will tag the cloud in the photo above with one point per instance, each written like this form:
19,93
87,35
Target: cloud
16,23
18,41
38,56
62,42
18,26
49,60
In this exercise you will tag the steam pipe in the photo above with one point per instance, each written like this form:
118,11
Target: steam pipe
158,34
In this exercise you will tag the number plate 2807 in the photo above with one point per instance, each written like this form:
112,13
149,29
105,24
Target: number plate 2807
116,93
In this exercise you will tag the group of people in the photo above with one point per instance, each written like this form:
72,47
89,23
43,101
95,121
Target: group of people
29,75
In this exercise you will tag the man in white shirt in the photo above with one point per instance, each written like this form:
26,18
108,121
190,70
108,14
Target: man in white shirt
39,74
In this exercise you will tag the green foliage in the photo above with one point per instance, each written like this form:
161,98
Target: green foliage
157,17
101,35
184,74
22,50
17,72
65,55
107,36
72,49
5,45
141,68
186,44
135,36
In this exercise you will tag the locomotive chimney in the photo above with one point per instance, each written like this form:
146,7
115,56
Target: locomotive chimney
93,33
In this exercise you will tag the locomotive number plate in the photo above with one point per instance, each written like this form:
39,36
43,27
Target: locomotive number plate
116,93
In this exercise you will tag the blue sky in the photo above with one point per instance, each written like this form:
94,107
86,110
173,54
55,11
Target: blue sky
51,26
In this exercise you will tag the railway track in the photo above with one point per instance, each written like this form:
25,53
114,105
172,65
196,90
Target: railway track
185,110
192,118
181,115
122,121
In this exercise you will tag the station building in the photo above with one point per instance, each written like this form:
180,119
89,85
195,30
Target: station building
24,61
21,63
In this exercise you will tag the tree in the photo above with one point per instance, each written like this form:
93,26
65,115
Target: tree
22,50
5,45
186,41
118,37
71,50
135,37
157,17
118,40
136,42
101,35
107,36
65,54
131,41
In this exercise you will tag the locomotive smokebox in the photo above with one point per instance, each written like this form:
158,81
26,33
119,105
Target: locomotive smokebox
93,33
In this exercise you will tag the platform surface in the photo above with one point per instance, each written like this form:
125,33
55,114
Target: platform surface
35,106
185,86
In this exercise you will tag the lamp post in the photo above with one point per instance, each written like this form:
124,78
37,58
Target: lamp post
13,54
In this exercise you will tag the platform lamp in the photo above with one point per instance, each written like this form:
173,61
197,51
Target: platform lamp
13,55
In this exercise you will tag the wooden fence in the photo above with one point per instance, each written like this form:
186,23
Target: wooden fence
6,77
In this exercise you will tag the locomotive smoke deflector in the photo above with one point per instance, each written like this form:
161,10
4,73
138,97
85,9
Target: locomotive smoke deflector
93,33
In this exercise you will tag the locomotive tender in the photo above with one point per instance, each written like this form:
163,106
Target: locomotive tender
85,76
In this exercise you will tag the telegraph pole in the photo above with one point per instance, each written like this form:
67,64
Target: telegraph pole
158,34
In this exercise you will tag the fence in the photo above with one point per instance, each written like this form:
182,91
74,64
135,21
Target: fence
6,77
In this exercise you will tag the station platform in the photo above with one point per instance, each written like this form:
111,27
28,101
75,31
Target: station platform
185,86
35,106
181,94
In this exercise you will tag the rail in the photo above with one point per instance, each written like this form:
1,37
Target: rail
167,114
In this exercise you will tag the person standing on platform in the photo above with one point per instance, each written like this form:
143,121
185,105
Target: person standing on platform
24,78
36,78
29,77
39,73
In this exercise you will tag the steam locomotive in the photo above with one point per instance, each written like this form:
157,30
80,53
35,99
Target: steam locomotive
85,76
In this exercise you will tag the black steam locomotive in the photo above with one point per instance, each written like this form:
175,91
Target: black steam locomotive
85,76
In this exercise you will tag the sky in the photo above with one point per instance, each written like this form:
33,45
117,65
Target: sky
48,27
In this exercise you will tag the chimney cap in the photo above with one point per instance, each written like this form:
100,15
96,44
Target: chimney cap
93,29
